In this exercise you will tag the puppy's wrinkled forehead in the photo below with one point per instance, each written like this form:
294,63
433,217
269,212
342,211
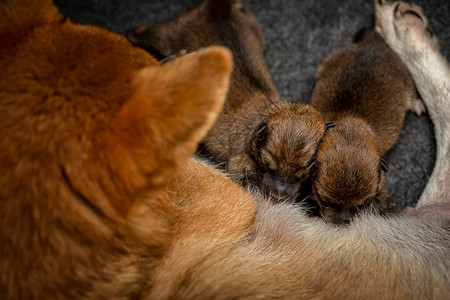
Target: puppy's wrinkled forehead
347,171
294,132
347,184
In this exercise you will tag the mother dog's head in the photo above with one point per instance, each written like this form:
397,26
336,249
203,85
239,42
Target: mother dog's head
92,129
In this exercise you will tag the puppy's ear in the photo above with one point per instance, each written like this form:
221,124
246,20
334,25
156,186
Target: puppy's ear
219,9
383,165
259,136
363,34
154,39
172,109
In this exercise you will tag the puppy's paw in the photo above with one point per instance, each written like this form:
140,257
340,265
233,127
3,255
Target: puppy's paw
429,211
405,28
418,107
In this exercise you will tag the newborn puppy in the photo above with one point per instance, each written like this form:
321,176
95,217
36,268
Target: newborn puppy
260,140
280,152
365,90
405,29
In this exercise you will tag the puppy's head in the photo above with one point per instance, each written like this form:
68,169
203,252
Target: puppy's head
348,172
283,148
216,22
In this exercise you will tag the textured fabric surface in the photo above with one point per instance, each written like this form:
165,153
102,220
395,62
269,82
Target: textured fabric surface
300,34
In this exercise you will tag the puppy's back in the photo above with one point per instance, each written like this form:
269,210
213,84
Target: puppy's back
366,80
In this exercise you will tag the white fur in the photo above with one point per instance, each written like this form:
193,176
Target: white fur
406,35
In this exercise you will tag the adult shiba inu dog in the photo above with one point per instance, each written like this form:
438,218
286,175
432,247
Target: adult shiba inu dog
100,199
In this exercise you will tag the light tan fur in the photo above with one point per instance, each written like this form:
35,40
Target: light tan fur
285,254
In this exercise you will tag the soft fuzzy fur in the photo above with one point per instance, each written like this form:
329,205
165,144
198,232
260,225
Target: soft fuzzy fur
299,35
262,141
94,132
364,89
86,155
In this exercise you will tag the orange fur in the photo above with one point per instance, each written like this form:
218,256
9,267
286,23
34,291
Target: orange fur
87,156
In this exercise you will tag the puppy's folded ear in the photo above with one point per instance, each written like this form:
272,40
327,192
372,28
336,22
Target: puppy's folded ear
172,108
219,9
259,136
154,39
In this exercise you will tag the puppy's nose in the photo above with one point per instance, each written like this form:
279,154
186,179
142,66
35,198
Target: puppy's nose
343,217
281,187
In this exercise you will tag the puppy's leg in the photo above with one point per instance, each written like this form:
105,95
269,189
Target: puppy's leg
406,31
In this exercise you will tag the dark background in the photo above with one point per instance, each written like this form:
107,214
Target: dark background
300,34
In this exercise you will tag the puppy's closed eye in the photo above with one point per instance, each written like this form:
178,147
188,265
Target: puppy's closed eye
384,165
260,134
311,163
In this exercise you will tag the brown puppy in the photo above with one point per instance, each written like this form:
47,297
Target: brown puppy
365,90
264,142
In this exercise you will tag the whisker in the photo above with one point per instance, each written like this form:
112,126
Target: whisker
114,16
132,18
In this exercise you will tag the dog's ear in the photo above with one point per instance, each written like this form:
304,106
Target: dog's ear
17,17
172,109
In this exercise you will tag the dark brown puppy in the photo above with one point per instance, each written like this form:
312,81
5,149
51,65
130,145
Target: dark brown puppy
365,90
264,142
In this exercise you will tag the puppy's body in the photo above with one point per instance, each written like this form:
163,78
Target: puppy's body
405,30
369,81
91,207
365,90
263,141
